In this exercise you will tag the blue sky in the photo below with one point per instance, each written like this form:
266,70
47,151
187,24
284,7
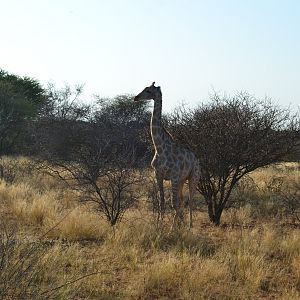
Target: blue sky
190,48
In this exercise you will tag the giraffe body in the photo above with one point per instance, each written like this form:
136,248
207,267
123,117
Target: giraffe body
171,161
174,162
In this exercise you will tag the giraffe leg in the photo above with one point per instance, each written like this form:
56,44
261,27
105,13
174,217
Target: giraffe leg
192,188
193,181
181,200
177,202
160,183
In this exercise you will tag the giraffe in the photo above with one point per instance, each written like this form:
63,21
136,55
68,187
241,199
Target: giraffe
171,161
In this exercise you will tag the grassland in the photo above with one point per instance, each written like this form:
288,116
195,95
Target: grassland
52,247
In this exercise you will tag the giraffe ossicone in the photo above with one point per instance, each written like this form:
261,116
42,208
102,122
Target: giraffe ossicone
171,161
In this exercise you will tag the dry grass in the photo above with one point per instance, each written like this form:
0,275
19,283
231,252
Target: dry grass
250,257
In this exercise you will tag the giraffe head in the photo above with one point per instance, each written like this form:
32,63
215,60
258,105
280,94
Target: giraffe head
149,93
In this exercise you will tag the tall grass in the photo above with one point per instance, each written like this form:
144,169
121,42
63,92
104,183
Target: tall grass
254,255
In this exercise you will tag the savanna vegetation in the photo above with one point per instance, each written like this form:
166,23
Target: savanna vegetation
79,202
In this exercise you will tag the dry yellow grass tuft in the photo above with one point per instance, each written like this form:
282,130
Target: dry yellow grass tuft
80,225
246,260
181,276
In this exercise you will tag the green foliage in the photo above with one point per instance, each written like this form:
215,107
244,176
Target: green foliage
20,101
29,88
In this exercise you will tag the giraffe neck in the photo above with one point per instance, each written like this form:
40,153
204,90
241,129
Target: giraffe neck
157,131
156,115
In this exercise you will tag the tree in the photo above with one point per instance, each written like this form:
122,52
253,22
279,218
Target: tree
122,110
55,132
129,118
101,166
64,104
94,153
29,88
233,136
20,102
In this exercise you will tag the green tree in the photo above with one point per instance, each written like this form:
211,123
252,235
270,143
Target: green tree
29,88
21,101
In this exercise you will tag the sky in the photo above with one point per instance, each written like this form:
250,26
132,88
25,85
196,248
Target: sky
191,48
